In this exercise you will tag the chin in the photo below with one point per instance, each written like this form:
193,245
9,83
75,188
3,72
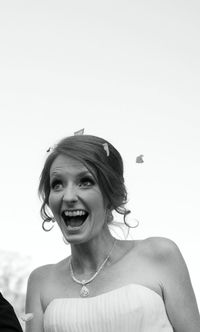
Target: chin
75,238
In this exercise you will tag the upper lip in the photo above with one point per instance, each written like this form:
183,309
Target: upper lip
73,210
64,211
66,217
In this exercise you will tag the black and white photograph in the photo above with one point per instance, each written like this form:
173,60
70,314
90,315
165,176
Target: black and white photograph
100,166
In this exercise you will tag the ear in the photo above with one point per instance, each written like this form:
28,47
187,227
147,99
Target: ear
109,216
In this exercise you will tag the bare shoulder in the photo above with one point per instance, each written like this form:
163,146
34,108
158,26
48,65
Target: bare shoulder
160,248
175,282
167,256
164,255
159,242
36,281
44,273
38,274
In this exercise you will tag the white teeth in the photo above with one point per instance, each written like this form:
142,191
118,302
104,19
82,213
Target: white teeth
74,213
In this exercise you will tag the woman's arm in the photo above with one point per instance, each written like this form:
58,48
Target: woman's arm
179,297
33,302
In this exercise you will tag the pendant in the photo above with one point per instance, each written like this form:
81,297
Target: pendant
84,291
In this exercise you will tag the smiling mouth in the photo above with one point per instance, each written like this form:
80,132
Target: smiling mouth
74,218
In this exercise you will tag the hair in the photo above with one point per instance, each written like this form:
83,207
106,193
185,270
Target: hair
106,167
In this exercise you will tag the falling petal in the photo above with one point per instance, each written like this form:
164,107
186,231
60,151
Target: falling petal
27,317
79,132
106,148
51,148
139,159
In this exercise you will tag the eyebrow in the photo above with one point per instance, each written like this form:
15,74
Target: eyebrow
83,173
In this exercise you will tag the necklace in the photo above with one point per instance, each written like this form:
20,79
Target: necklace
84,292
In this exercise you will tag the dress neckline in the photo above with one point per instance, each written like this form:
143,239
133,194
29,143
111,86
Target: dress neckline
93,298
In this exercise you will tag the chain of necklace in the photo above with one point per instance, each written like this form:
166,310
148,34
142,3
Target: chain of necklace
84,292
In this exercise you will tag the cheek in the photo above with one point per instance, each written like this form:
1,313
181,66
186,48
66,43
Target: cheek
98,204
53,203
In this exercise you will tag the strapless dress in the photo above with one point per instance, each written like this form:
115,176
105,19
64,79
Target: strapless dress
131,308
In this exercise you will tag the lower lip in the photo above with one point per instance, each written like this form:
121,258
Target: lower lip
75,229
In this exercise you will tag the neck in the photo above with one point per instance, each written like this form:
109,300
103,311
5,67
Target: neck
87,257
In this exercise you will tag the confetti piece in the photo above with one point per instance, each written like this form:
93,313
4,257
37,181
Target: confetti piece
27,317
79,132
139,159
51,148
106,148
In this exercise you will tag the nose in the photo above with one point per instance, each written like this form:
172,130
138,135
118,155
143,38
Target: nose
70,195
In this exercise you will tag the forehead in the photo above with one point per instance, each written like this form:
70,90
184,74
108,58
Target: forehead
67,164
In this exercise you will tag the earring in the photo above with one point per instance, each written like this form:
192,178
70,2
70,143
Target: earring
47,220
109,216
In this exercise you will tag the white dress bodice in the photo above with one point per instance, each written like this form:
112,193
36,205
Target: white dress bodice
131,308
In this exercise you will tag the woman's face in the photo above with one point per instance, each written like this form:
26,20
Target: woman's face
75,200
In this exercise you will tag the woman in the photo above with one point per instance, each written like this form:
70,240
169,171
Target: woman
106,285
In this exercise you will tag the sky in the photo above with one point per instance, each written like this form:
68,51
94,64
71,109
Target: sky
127,71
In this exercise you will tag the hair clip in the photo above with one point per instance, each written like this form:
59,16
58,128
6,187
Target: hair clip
27,317
106,148
79,132
139,159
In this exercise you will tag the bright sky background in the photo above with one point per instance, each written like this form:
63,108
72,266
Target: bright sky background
128,71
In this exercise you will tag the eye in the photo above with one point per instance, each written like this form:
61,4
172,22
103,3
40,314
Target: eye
86,182
56,184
